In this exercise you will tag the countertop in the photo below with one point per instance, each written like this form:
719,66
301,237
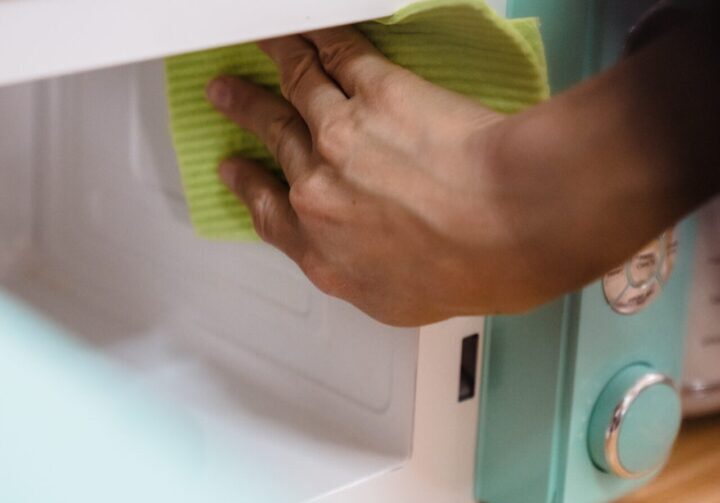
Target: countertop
693,473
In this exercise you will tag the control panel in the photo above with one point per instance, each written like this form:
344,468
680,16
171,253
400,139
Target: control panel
598,371
600,386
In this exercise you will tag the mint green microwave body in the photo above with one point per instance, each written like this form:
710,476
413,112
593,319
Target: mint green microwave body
554,377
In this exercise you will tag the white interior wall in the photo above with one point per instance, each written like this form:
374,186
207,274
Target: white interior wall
231,331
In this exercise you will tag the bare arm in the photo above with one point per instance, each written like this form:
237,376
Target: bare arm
616,160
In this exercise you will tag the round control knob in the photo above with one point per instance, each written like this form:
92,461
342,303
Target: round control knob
634,423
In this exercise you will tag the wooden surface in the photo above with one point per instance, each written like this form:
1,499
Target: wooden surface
693,472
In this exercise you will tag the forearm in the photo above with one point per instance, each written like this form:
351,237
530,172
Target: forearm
630,152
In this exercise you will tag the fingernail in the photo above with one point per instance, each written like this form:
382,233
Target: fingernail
219,93
227,172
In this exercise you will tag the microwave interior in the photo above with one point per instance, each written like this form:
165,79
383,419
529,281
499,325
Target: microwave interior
96,239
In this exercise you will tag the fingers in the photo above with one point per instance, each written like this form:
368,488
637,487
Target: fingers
267,199
350,59
303,81
270,117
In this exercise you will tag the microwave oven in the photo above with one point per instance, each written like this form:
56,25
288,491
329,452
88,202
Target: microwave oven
140,363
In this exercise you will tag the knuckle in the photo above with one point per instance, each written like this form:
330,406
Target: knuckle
299,199
282,151
262,208
299,67
279,131
324,277
391,88
336,132
337,52
306,195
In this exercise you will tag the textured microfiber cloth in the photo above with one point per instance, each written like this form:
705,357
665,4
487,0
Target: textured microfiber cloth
462,45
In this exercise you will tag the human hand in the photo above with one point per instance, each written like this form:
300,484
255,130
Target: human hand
386,205
417,204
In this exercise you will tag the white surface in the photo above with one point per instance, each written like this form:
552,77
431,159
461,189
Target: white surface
42,38
234,332
702,351
320,394
442,466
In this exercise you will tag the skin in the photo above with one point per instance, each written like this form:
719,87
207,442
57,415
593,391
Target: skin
416,204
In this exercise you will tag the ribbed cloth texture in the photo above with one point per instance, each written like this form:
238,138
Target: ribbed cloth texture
462,45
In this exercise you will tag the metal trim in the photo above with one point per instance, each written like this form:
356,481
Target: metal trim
612,434
701,388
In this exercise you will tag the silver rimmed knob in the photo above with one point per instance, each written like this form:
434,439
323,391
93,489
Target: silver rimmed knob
634,423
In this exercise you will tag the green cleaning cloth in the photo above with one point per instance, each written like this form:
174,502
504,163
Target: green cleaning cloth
462,45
